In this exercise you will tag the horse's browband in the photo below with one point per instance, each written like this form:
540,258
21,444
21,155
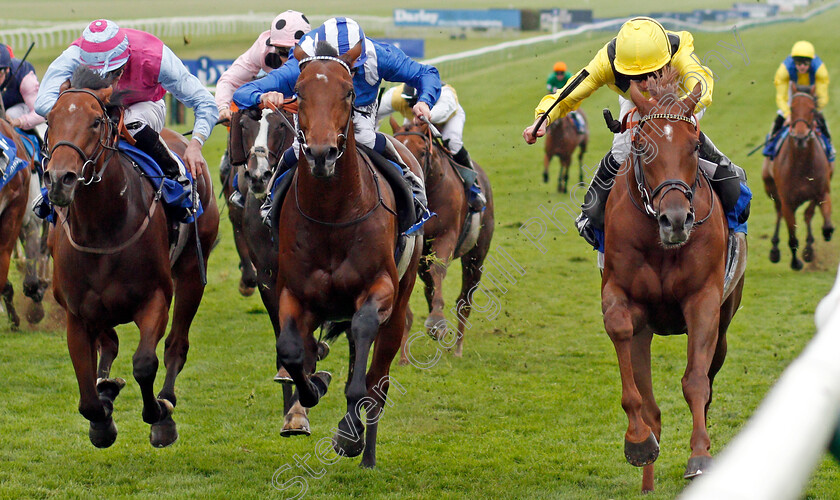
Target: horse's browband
667,116
326,58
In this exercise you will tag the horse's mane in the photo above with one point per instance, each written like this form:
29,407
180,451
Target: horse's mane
86,78
665,82
325,49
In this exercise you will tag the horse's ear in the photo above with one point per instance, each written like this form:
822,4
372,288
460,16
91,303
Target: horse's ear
693,98
299,53
105,94
642,104
236,150
64,86
394,125
351,55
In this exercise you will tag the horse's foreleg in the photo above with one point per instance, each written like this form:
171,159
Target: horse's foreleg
581,152
248,279
372,310
702,316
297,350
640,444
793,242
808,252
425,272
471,264
33,286
409,320
825,209
151,320
8,299
438,260
640,353
546,163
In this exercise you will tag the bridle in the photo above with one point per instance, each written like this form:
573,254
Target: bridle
810,123
91,160
667,185
343,136
428,141
272,157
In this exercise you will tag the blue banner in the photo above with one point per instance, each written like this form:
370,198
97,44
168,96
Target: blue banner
413,47
491,18
208,70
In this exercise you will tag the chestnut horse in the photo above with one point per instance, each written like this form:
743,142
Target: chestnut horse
13,206
664,271
444,235
337,235
800,173
561,139
111,258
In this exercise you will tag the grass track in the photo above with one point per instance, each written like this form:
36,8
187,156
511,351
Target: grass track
531,411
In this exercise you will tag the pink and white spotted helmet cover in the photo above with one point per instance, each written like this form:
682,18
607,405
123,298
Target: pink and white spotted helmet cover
104,46
288,28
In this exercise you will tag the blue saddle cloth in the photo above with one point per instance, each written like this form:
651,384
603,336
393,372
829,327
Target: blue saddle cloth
774,144
32,143
731,217
10,164
175,198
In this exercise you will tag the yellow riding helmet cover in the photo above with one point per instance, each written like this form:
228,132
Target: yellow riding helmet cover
641,46
803,49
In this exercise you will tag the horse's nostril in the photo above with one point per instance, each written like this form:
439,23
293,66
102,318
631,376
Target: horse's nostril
69,178
664,221
266,175
689,219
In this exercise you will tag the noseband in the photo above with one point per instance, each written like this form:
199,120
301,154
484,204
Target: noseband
101,145
301,137
667,185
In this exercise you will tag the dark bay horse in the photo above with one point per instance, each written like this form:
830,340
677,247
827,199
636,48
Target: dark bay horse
664,271
337,235
444,235
561,140
111,259
248,274
13,206
800,173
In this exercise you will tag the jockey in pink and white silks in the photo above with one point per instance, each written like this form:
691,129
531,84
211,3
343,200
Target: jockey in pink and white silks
378,61
140,64
270,51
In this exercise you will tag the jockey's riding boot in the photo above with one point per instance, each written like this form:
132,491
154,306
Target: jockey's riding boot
287,160
150,143
237,199
777,124
384,147
728,176
823,126
595,201
475,198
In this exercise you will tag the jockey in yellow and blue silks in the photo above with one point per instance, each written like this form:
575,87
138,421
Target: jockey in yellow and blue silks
802,67
641,48
378,62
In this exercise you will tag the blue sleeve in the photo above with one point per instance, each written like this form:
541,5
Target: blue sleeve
59,71
395,66
186,87
282,79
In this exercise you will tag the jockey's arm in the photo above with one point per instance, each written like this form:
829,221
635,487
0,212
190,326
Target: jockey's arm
280,80
186,87
58,72
445,107
821,87
600,73
782,83
244,69
691,71
29,90
395,66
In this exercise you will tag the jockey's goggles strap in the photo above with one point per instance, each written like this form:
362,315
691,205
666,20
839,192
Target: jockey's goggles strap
326,58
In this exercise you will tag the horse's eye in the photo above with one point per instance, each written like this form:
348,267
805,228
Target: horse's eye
697,146
97,122
349,94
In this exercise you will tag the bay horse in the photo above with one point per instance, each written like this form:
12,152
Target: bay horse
13,206
799,173
664,270
248,274
444,236
111,258
561,140
337,236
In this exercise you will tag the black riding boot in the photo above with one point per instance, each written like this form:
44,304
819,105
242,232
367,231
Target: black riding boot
150,143
475,198
824,129
287,161
777,124
728,176
595,201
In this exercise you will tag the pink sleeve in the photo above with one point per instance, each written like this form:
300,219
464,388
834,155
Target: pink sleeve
29,90
244,69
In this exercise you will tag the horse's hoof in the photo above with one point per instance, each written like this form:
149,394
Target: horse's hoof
322,380
347,447
163,431
641,454
697,466
103,434
775,255
245,290
109,388
283,377
435,325
808,254
295,424
323,351
796,264
34,313
368,463
545,177
827,232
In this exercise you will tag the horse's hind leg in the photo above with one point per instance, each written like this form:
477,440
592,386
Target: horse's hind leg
94,405
651,414
471,270
825,209
581,152
546,163
8,300
108,345
793,242
151,320
563,180
33,286
808,252
188,293
438,261
409,320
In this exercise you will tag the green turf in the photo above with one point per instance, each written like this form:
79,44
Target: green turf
531,411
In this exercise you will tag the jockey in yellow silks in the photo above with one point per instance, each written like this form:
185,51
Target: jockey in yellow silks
802,67
641,48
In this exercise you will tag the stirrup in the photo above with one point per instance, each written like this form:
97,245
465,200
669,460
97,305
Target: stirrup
476,200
